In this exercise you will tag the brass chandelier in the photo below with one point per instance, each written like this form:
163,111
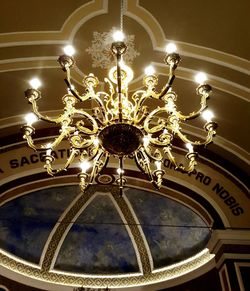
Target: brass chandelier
121,125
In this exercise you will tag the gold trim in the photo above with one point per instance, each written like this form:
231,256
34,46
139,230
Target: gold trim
171,272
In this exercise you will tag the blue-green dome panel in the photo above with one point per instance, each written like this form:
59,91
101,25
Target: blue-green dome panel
173,231
98,242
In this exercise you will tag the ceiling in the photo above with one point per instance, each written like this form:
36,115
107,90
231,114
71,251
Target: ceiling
209,38
213,38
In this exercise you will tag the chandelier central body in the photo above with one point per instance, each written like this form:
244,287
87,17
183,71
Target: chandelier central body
121,139
120,125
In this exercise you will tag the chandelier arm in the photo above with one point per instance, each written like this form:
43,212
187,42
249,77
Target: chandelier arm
194,114
89,155
111,87
98,164
49,160
30,141
168,85
82,128
78,144
209,127
191,157
139,102
101,104
146,164
204,91
29,130
140,120
35,109
156,175
153,114
167,150
159,143
87,179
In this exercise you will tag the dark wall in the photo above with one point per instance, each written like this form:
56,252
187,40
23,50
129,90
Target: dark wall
207,282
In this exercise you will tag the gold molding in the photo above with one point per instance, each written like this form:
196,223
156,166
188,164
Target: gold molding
173,271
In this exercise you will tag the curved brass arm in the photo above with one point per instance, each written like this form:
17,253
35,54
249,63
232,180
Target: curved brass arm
80,124
45,117
49,160
210,133
204,91
28,131
161,123
189,156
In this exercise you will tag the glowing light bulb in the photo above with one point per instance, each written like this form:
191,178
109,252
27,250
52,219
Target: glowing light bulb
96,141
35,83
69,50
207,115
49,150
200,78
171,48
120,171
149,70
158,165
146,140
30,118
189,147
118,35
121,63
85,165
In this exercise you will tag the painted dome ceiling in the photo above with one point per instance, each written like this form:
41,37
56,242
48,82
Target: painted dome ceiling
99,232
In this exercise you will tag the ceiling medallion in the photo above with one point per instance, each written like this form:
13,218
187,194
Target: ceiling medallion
100,49
120,125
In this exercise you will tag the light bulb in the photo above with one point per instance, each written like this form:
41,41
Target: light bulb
189,147
49,150
69,50
146,140
35,83
96,141
149,70
30,118
120,171
207,115
171,48
118,35
158,165
200,78
121,63
85,165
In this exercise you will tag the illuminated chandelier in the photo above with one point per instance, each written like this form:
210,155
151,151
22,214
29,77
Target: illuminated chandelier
121,125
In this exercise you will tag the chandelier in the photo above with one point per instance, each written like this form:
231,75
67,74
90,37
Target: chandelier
121,125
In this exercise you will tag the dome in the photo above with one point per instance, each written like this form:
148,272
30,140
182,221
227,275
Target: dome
99,233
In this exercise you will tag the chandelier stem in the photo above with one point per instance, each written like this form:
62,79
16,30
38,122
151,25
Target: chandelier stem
121,15
119,86
121,175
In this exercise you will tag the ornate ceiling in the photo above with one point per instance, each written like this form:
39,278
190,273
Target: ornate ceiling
211,38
